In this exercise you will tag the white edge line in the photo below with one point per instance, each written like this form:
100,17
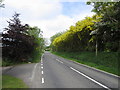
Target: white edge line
43,80
94,68
90,78
33,73
97,69
59,61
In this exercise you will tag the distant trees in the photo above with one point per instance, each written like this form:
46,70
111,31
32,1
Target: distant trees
19,40
106,25
55,36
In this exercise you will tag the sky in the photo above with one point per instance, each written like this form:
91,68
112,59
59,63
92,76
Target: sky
51,16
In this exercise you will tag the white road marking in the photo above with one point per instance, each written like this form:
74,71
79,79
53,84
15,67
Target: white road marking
59,61
41,64
42,67
90,79
43,80
33,73
42,72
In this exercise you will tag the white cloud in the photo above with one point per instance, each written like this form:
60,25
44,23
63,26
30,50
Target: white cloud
82,16
3,23
58,24
52,26
46,15
36,8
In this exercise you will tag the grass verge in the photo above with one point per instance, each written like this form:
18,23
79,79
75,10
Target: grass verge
12,82
10,63
106,61
35,58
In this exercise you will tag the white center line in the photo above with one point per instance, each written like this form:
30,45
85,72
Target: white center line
90,79
41,64
42,67
42,72
59,61
43,80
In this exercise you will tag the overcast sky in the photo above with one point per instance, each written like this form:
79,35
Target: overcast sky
51,16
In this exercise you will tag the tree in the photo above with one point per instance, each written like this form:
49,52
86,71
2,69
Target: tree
77,38
17,44
55,36
38,40
109,26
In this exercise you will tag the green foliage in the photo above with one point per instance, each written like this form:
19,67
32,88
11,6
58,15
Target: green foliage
101,7
55,36
109,25
12,82
39,41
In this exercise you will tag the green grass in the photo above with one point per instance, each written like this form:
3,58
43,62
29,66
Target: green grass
0,62
106,61
12,82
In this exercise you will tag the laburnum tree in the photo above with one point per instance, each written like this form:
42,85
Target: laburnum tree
77,38
17,44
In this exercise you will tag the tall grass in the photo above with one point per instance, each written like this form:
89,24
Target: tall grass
12,82
107,61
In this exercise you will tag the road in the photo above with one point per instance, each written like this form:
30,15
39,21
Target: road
57,72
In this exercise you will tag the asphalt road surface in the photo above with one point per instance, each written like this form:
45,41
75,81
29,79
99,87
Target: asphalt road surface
57,72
